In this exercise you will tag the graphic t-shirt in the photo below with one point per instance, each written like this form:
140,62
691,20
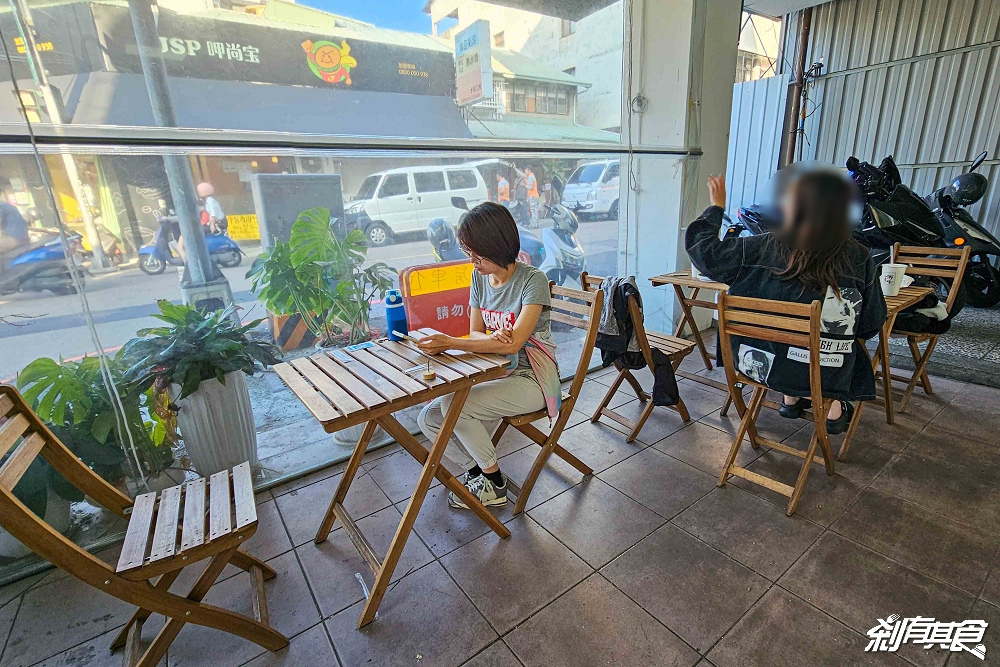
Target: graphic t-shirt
500,306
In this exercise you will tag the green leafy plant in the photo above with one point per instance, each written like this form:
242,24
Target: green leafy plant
193,347
72,398
321,277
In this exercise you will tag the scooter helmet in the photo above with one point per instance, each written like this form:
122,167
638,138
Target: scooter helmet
205,189
441,234
967,188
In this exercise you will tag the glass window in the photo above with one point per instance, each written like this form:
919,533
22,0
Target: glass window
588,173
462,180
553,101
519,91
428,181
611,173
541,100
563,102
394,185
529,97
568,27
367,189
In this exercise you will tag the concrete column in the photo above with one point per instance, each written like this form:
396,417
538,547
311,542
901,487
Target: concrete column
681,60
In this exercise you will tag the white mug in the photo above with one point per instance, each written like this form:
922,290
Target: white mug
892,278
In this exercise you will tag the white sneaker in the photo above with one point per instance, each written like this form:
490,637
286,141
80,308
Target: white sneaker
483,489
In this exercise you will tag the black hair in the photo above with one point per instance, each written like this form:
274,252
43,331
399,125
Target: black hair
489,231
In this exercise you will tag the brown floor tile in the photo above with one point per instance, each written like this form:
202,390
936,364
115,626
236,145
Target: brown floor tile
396,474
705,448
858,586
95,653
979,425
596,521
928,542
991,593
783,631
598,445
289,604
330,567
271,539
863,463
14,589
977,397
496,655
312,648
749,529
662,421
59,616
302,510
566,632
660,482
937,474
7,615
510,579
983,611
874,431
311,478
556,477
425,620
691,588
823,498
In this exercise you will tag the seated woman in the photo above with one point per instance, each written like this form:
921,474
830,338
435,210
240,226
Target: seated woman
509,315
812,257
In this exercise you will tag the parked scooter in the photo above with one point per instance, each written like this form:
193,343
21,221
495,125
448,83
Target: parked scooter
42,264
564,257
982,280
155,257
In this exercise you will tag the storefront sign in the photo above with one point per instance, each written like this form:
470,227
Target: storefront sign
437,296
474,64
205,48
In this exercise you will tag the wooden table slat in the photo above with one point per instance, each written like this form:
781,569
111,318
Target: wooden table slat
411,385
685,279
470,358
310,398
358,389
405,365
375,381
342,401
412,357
456,365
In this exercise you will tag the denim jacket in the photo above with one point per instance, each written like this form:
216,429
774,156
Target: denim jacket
749,265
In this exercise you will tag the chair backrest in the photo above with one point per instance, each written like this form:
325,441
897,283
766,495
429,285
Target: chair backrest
946,263
24,436
593,284
794,324
581,310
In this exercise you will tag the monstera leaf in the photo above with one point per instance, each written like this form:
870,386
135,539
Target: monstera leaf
57,391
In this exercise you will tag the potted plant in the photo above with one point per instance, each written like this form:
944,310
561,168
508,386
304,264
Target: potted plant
74,401
322,278
202,359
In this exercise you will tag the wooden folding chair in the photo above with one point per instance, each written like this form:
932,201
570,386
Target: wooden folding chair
675,349
581,310
166,532
795,324
944,263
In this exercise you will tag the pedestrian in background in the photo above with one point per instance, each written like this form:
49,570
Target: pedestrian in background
531,185
503,189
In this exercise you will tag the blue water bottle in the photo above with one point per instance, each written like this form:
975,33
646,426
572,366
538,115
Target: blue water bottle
395,315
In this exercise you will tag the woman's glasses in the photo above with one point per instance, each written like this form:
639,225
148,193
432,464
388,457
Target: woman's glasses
476,259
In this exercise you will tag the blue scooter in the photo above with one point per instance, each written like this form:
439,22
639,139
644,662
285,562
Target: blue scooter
42,264
155,257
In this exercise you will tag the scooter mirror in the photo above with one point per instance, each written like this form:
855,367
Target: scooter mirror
978,161
459,202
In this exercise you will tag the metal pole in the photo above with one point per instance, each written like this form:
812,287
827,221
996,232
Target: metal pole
54,109
200,267
805,22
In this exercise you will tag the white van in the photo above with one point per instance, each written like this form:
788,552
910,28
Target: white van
409,198
592,190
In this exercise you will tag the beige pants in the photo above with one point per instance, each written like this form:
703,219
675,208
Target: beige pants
471,443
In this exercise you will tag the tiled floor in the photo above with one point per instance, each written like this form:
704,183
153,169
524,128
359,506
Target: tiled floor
646,563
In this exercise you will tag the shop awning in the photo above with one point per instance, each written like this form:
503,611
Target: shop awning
540,127
110,98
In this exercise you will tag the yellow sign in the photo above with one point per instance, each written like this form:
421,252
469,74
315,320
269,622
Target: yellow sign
440,278
243,227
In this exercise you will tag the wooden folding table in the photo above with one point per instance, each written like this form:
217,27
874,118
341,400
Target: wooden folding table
366,384
894,305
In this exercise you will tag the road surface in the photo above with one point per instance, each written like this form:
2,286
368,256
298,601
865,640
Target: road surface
124,301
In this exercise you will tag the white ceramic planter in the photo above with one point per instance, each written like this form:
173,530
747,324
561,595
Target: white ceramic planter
216,423
57,515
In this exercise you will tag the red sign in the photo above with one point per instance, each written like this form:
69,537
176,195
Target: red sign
437,296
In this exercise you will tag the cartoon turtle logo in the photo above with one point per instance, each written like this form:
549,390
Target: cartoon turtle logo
330,62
